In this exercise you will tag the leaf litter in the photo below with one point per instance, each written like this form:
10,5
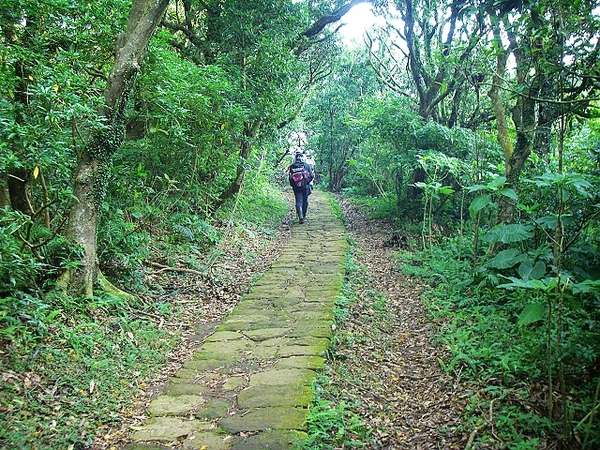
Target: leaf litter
385,363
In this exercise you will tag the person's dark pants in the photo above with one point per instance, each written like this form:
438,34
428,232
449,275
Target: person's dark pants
302,201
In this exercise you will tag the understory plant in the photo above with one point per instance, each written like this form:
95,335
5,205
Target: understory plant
72,368
519,314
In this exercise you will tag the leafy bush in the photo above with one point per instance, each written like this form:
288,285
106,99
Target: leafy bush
495,341
259,204
17,268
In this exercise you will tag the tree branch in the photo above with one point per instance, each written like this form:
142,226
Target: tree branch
335,16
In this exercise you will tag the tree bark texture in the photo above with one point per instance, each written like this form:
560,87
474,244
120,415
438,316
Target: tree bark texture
523,115
238,181
503,134
95,161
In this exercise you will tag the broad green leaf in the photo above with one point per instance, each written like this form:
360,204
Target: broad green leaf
547,222
564,195
586,287
476,187
529,271
507,234
508,192
531,313
496,183
538,271
537,285
479,203
545,180
505,259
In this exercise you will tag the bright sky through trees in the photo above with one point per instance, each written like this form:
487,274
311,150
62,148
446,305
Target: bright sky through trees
357,20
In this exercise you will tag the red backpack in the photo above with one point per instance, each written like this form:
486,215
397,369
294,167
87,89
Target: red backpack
299,175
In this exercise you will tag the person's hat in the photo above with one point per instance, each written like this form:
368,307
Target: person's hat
298,155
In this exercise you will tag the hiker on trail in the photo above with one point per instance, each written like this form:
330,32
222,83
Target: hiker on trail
300,176
308,159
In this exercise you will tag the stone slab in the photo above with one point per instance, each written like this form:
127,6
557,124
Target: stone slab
266,333
213,409
283,376
278,395
167,429
223,336
181,405
301,362
233,383
208,440
274,439
226,351
273,418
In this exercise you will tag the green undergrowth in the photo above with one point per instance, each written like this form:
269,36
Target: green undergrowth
332,421
73,373
170,232
377,207
504,359
335,206
72,369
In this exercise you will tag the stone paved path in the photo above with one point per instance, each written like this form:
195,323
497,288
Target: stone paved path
249,385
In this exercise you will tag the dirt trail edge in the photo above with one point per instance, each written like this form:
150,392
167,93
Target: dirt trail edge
249,385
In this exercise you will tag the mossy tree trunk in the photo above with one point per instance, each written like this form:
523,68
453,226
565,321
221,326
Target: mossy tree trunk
95,161
523,115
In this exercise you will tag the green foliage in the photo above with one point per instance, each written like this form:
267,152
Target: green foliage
30,254
331,426
495,335
508,234
336,125
230,85
76,364
335,206
259,204
17,269
347,295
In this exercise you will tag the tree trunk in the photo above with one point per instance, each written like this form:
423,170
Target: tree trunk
513,164
503,134
18,187
524,119
335,179
236,184
95,162
4,193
